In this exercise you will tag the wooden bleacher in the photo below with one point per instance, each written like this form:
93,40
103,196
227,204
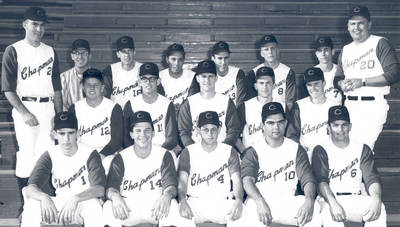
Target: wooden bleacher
198,25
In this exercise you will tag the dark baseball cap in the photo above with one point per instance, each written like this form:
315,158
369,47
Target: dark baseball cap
267,39
80,43
36,14
140,116
220,46
313,74
175,48
323,41
208,117
206,66
125,42
265,71
65,120
338,113
92,73
272,108
149,68
358,10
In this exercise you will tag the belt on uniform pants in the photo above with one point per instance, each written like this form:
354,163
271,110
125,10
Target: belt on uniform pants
363,98
34,99
348,193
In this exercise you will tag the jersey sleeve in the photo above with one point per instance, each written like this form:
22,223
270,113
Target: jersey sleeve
108,82
303,168
185,124
233,162
290,96
127,113
368,168
241,87
96,171
250,165
41,174
55,74
250,79
9,70
294,123
184,161
160,90
232,124
116,173
388,59
169,175
71,109
116,140
171,128
242,115
320,164
339,74
194,87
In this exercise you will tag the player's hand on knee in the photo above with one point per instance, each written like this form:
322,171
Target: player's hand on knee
119,207
30,119
49,210
67,213
161,207
236,210
305,213
184,209
337,212
264,212
373,212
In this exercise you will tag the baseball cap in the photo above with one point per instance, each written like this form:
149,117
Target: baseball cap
265,71
36,14
140,116
267,39
338,113
175,48
92,73
80,43
206,66
208,117
65,120
125,42
220,46
324,41
272,108
148,68
358,10
313,74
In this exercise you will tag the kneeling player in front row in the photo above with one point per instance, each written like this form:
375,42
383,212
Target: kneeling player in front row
206,170
340,165
270,174
76,174
142,180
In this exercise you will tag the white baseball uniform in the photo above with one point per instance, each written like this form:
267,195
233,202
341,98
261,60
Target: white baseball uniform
250,117
330,91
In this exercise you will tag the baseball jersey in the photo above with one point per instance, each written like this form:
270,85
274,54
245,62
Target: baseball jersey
136,177
100,127
344,168
232,84
71,87
331,92
69,175
209,172
121,85
195,104
308,122
162,113
30,71
277,170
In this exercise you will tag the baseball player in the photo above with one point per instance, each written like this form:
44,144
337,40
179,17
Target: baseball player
323,51
340,164
208,100
31,83
175,80
206,170
231,79
250,111
71,79
142,181
100,120
161,109
270,173
308,119
366,69
285,78
76,173
121,78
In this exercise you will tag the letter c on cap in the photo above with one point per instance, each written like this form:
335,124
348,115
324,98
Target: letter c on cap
206,64
140,115
337,112
208,116
356,9
310,72
272,107
63,117
147,66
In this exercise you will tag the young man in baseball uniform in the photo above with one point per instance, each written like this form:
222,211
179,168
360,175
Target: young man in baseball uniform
308,119
142,182
208,100
31,83
121,79
206,170
270,174
71,79
340,164
76,173
366,69
100,120
161,109
231,79
285,78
